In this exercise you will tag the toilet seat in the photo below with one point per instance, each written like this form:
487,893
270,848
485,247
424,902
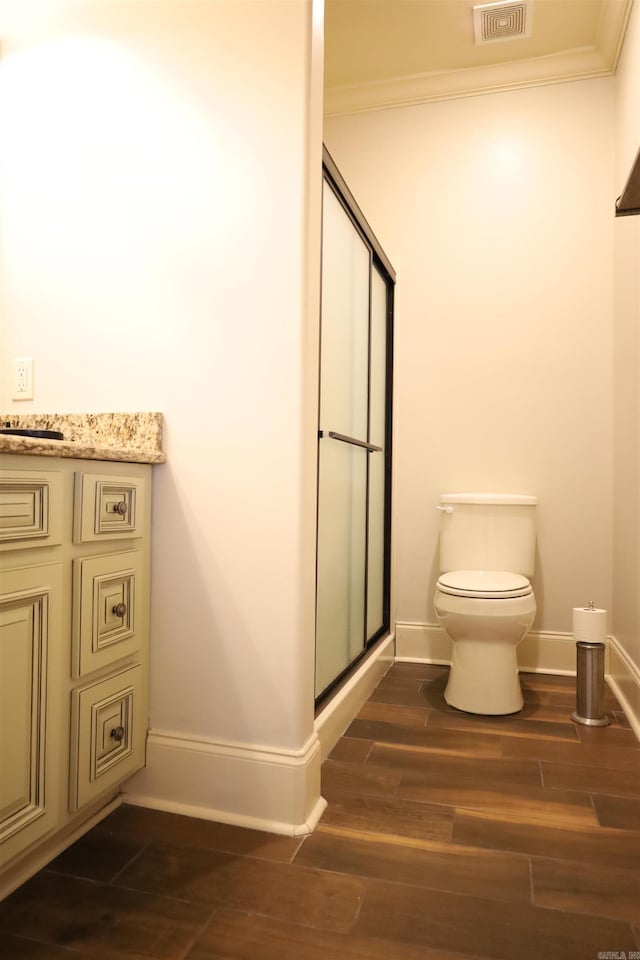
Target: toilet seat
484,584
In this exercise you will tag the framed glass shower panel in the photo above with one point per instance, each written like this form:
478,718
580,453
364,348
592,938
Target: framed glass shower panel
377,514
342,492
354,437
345,323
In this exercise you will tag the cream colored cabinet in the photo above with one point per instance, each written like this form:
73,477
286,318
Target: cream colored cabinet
109,633
30,667
74,637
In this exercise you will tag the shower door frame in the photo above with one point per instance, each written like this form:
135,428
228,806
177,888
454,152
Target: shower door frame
379,261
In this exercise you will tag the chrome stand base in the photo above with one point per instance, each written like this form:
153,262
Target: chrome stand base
592,721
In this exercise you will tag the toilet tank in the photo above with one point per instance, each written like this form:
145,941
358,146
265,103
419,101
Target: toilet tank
488,531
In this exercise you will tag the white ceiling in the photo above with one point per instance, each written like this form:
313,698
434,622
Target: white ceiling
382,53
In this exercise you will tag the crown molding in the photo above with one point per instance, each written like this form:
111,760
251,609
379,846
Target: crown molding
580,64
611,31
583,63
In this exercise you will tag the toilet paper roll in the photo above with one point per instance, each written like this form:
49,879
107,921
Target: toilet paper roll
590,624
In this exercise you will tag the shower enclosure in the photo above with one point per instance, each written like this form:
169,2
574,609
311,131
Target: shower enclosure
354,436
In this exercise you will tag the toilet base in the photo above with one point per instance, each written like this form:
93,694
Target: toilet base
484,678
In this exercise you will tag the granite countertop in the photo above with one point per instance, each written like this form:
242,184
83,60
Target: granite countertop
123,437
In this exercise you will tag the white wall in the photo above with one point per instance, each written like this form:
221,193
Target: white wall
626,529
160,195
496,212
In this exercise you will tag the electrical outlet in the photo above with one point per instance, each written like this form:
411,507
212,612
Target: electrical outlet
22,379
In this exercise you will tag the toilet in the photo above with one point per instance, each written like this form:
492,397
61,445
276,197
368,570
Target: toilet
484,601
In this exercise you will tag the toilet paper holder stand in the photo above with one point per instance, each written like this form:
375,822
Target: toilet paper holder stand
590,682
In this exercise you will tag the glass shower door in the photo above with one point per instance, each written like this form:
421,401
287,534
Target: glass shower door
377,527
342,479
352,582
341,561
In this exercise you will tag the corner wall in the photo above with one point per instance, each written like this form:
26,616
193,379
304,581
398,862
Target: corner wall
160,189
625,646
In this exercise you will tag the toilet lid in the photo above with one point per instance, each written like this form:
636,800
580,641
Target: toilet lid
484,584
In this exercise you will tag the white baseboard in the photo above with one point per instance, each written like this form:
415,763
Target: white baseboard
255,787
260,788
336,716
279,791
541,651
624,679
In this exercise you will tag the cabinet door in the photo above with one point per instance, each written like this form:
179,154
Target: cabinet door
30,705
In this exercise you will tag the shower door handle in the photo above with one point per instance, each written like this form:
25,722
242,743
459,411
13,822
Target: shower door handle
369,447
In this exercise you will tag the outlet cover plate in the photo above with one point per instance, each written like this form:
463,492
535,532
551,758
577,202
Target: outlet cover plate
22,379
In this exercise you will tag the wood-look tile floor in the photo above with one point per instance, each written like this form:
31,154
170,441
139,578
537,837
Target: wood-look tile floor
447,837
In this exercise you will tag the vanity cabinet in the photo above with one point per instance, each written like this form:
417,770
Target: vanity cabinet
74,638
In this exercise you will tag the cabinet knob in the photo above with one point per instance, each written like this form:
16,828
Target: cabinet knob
119,609
120,508
118,733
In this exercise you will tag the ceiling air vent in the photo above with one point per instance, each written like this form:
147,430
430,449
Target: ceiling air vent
501,21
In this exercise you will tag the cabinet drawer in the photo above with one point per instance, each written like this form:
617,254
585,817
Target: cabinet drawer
30,509
110,615
108,508
108,730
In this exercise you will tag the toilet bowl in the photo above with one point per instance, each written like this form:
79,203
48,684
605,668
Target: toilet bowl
484,600
485,615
